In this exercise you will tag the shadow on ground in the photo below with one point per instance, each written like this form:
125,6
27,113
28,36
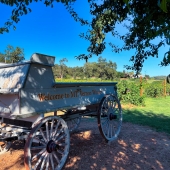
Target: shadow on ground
137,147
159,122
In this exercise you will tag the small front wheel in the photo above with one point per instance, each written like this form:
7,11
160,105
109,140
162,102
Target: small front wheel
47,145
110,117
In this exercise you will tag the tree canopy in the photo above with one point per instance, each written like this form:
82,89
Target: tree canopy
12,55
143,21
102,69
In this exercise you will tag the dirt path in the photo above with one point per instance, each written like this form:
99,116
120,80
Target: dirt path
137,147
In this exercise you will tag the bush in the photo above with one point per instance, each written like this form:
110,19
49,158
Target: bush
154,89
129,93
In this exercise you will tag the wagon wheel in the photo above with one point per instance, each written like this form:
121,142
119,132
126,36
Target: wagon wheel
73,124
109,117
47,145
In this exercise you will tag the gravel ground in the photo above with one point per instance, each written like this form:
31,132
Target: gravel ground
137,147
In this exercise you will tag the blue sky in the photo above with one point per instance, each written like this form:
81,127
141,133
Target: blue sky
53,31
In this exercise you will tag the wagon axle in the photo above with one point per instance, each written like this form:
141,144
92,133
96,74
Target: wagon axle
51,146
112,116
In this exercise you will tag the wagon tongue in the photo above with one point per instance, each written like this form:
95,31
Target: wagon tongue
51,146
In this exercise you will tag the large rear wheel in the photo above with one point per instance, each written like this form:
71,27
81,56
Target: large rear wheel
110,117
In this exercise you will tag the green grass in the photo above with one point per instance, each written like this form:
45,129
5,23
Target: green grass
99,80
155,114
83,80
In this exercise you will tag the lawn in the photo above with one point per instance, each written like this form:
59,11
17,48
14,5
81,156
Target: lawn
155,114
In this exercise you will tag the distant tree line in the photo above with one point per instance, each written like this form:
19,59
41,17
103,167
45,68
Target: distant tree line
159,77
102,69
12,55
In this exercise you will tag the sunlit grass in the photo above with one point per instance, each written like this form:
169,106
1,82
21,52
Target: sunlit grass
155,114
83,80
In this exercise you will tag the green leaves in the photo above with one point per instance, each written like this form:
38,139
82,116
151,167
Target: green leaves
126,1
12,55
129,92
166,59
163,5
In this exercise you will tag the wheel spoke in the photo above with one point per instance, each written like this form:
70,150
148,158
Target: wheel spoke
69,123
108,129
56,128
73,122
58,133
39,153
51,131
116,110
114,130
114,104
105,105
104,120
111,130
108,103
106,125
47,131
42,133
37,147
56,157
59,151
43,162
38,140
39,160
47,164
104,111
61,137
51,160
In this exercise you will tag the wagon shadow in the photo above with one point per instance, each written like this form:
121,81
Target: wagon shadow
137,147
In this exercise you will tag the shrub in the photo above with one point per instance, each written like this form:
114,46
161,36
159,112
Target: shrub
154,89
129,93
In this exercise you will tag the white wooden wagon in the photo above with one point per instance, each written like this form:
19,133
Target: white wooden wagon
28,90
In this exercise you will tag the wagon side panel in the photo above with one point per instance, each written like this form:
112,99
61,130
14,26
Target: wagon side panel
36,101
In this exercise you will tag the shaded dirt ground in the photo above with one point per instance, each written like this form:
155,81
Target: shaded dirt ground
137,147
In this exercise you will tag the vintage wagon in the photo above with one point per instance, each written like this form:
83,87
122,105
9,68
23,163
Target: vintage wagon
28,91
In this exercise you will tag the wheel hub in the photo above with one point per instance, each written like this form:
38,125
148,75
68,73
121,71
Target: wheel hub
51,146
112,116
